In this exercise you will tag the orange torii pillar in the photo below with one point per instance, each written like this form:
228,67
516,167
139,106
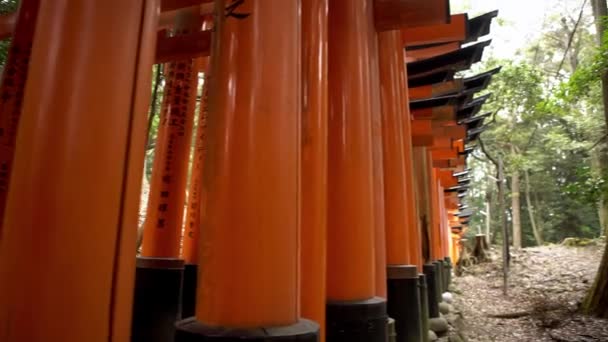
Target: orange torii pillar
314,162
403,301
353,310
435,229
67,257
423,168
195,196
12,90
160,268
248,255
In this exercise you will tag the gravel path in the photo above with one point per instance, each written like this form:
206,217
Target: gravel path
546,287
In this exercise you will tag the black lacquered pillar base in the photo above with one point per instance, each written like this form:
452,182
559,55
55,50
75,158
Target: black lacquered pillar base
439,270
358,321
191,330
430,271
189,290
424,307
448,262
403,302
157,299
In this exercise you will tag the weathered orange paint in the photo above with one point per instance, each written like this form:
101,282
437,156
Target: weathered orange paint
249,251
434,220
12,88
429,52
165,213
350,238
434,90
454,31
313,258
413,222
195,195
78,167
378,166
393,113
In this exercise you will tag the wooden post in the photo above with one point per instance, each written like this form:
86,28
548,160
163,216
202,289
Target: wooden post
351,275
314,161
403,293
12,89
248,283
164,217
195,196
67,257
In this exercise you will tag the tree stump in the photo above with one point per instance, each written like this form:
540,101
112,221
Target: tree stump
481,248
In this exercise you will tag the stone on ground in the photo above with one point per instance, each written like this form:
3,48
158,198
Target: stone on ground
445,308
432,336
438,325
447,297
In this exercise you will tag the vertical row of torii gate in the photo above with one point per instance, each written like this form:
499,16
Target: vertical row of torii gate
327,178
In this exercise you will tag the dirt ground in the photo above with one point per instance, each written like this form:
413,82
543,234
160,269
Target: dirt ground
546,287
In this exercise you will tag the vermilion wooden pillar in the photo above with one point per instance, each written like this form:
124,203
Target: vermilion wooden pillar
402,277
378,167
195,196
164,217
351,227
393,112
67,258
12,89
314,161
248,283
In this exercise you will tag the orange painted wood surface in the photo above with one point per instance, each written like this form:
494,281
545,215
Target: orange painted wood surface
454,31
350,253
181,47
399,14
432,51
435,90
195,188
313,260
250,249
167,198
78,166
393,114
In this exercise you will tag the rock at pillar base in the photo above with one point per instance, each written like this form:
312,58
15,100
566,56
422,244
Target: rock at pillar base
438,325
432,336
445,308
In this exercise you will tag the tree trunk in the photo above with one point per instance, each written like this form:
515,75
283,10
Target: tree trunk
505,232
488,221
596,302
597,298
535,229
516,209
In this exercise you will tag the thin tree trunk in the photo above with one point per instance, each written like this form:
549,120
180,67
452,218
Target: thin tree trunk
488,220
596,301
537,234
505,231
516,209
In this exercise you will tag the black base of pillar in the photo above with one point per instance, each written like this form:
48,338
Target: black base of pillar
439,270
430,271
157,299
448,261
424,307
403,302
191,330
189,290
360,321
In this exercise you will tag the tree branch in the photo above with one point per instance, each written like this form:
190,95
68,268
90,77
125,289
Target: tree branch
488,155
571,38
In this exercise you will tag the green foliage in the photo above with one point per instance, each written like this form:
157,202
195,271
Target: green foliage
6,6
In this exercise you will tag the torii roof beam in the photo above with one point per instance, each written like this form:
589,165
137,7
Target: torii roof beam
454,61
400,14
